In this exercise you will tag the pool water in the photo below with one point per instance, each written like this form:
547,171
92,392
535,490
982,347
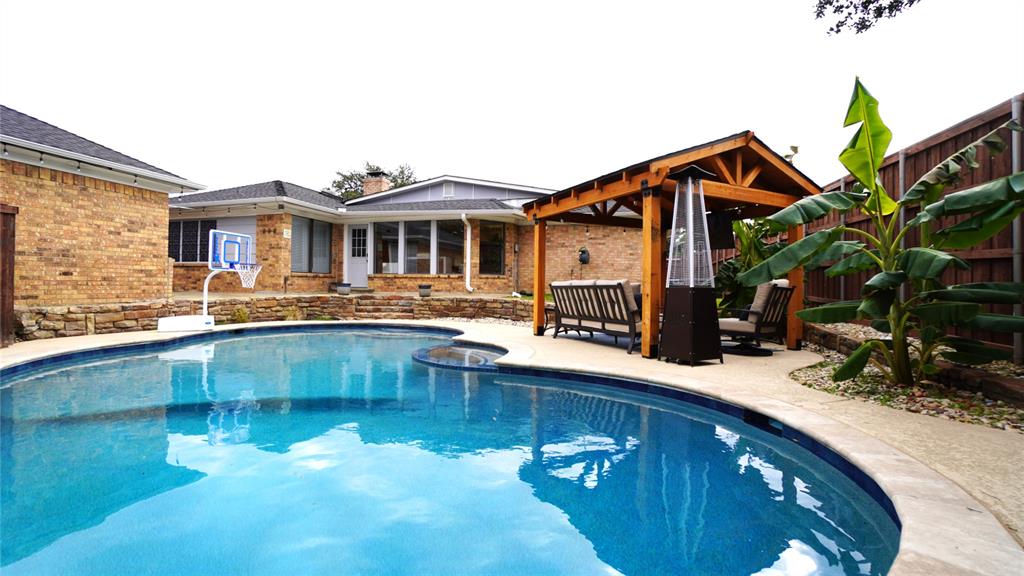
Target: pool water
332,452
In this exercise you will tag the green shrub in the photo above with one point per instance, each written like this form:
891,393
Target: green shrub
240,316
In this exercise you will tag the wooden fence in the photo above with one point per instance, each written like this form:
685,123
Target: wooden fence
991,261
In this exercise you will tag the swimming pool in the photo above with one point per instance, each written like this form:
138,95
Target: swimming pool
331,451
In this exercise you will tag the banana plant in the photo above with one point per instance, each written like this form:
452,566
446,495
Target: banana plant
929,307
752,250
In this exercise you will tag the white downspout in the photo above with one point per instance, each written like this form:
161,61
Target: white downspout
467,266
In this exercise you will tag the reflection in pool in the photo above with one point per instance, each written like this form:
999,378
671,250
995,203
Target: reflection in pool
333,452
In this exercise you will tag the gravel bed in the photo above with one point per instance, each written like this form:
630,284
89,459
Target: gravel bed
930,399
859,332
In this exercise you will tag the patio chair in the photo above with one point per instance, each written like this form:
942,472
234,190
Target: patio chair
764,320
605,306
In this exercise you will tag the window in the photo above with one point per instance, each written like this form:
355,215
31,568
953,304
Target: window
311,246
358,242
448,190
451,246
492,248
188,240
385,248
417,247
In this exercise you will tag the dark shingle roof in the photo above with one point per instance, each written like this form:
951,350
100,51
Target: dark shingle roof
25,127
271,189
453,205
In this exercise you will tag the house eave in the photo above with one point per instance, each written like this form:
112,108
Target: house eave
168,181
460,179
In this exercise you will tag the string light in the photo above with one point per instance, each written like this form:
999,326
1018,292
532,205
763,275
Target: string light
6,153
79,169
41,161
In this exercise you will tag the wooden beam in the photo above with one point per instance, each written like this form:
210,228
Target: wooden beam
691,156
539,285
739,167
802,181
794,325
615,207
723,170
597,211
749,178
612,191
597,220
742,195
650,278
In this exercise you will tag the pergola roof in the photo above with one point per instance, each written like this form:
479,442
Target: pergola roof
749,175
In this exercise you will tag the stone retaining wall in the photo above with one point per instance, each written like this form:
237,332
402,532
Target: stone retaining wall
991,385
38,322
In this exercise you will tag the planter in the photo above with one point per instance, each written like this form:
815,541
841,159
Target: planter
424,290
343,288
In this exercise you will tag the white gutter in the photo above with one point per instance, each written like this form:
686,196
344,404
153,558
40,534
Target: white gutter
59,152
468,264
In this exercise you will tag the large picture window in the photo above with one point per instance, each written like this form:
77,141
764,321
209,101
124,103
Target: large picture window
385,248
311,246
492,248
451,246
417,247
188,240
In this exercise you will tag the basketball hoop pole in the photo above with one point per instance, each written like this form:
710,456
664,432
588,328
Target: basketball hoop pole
206,289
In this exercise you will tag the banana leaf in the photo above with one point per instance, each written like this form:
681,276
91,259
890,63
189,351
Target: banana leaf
978,295
811,208
968,351
950,171
882,325
883,281
858,262
997,323
855,364
830,313
982,197
876,305
947,313
790,257
927,263
836,251
1014,287
978,228
864,154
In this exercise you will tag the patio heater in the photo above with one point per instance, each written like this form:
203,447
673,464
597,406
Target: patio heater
689,330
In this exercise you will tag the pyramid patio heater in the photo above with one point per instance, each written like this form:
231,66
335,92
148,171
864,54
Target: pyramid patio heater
689,330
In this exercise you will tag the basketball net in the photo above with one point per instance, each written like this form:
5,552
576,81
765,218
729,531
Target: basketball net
247,273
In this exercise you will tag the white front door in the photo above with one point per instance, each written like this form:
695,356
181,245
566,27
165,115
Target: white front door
357,250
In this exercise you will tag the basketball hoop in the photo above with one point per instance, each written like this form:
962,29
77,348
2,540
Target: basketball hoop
247,273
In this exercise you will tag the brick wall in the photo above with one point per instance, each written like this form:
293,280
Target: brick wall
274,253
614,253
84,240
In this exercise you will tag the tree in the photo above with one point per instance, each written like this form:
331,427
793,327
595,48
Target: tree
926,307
860,15
349,185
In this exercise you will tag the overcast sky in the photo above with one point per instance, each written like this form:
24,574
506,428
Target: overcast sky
538,93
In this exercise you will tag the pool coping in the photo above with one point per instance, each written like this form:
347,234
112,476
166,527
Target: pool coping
944,530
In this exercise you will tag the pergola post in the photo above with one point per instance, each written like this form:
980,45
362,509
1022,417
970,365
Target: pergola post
539,245
794,325
650,280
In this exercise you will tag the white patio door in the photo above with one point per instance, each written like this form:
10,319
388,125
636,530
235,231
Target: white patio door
357,252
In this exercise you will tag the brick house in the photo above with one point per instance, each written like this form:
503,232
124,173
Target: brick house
391,239
91,222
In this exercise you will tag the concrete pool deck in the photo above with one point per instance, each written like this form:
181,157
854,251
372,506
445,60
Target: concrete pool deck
958,488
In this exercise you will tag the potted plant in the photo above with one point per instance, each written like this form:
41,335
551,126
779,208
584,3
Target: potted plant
424,290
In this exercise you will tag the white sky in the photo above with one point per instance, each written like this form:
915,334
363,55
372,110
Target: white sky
538,93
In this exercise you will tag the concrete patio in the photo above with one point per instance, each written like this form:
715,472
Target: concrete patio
957,487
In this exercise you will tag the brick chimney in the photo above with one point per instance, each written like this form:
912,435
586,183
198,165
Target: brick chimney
375,181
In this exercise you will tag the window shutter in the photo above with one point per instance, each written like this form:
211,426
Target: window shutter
321,247
300,244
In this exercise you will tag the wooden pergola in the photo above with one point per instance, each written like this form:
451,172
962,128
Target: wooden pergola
750,177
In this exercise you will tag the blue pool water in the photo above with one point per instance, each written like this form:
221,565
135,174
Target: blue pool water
332,452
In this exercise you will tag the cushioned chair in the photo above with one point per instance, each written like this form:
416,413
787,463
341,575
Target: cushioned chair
766,318
605,306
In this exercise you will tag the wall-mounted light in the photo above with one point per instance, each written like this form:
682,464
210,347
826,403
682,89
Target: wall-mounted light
6,153
79,168
135,181
41,161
